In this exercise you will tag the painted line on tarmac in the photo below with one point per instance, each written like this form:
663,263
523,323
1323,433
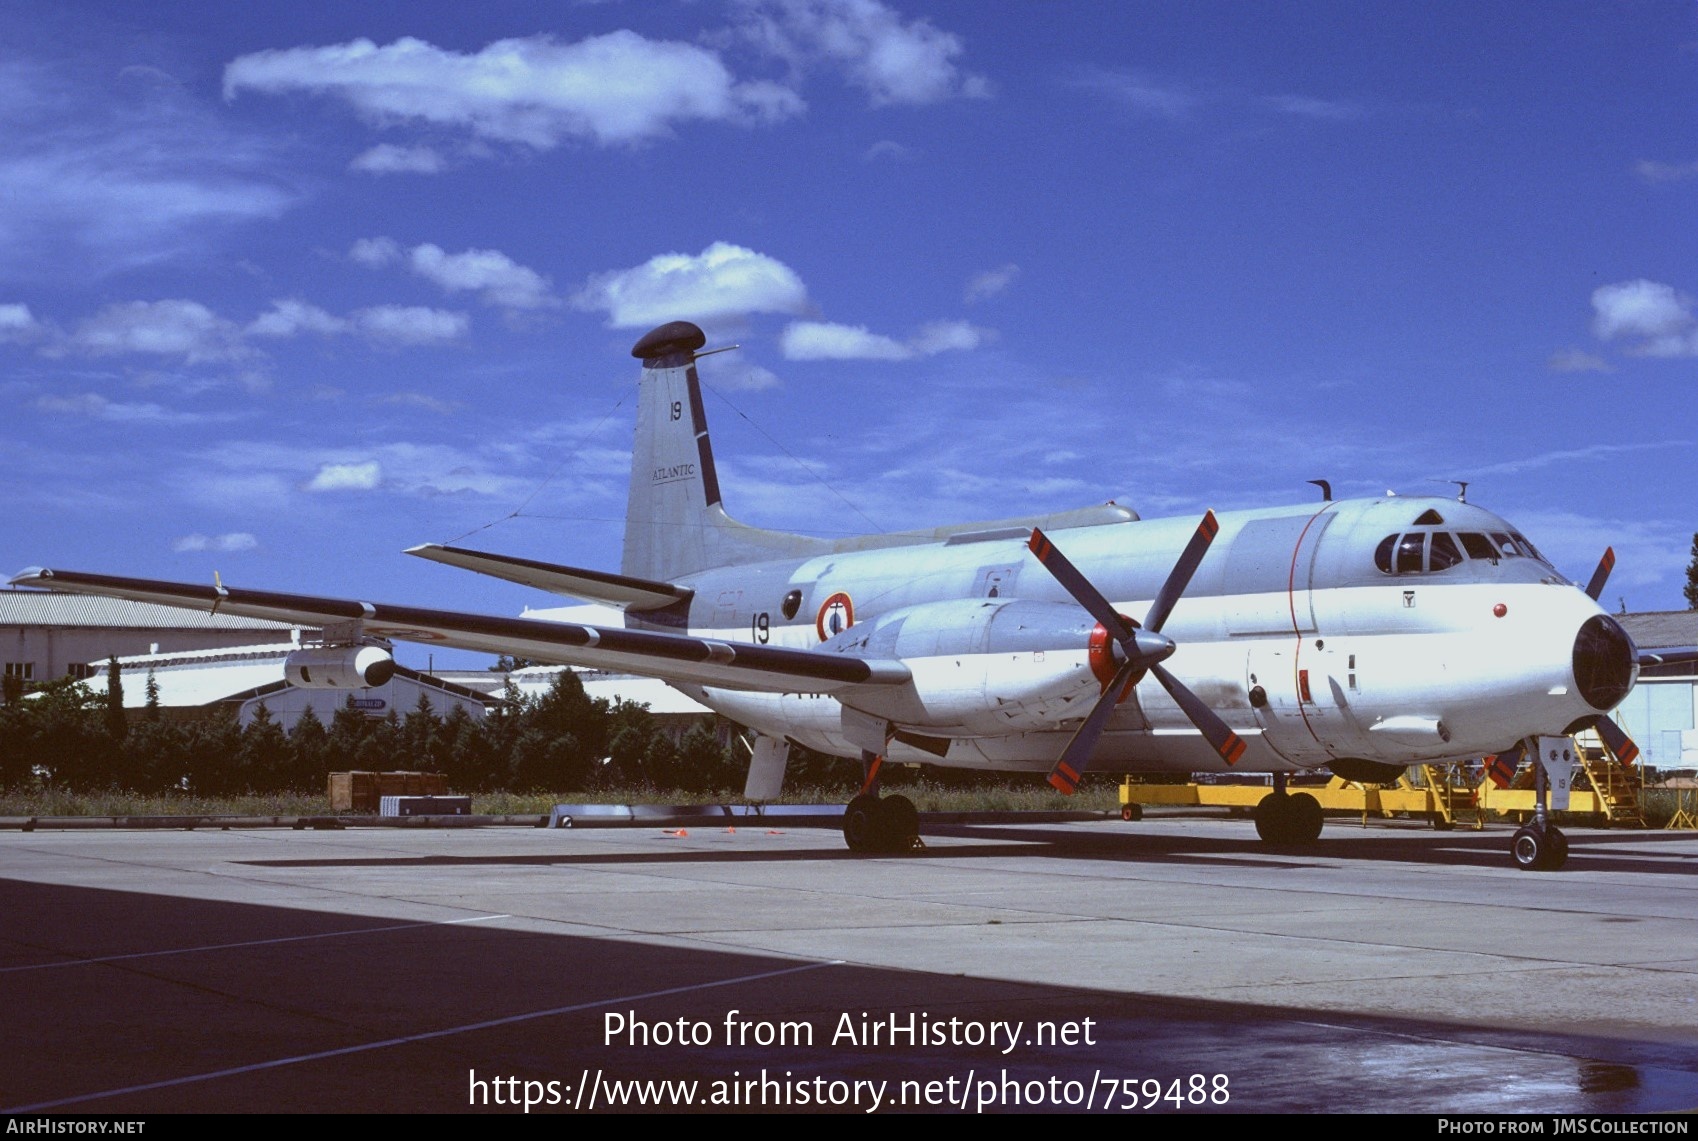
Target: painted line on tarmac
509,1020
249,943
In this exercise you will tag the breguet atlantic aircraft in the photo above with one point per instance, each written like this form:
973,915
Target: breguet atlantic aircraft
1361,635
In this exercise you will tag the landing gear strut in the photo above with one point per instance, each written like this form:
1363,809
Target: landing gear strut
1539,845
1288,818
875,824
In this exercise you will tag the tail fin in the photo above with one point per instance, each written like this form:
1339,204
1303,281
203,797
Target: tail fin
675,524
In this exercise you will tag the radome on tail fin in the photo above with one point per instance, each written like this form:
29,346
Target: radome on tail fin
675,523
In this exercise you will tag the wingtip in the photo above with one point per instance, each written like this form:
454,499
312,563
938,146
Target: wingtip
29,576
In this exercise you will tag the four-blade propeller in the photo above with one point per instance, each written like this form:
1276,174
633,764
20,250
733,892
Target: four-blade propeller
1140,650
1620,745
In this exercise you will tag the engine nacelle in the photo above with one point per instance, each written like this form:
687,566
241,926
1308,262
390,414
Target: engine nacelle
339,667
982,667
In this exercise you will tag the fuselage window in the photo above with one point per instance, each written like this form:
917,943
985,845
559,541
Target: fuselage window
1443,552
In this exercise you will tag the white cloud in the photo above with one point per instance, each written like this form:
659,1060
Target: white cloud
234,541
289,317
169,328
375,253
991,282
823,340
614,88
946,336
723,281
346,477
1658,317
1311,108
895,62
1652,171
387,158
497,278
410,324
421,400
97,178
889,149
18,324
1577,360
94,405
736,373
1142,93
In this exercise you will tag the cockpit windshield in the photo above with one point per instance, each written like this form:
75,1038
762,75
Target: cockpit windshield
1429,551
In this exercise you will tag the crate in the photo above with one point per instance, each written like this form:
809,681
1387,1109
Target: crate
364,791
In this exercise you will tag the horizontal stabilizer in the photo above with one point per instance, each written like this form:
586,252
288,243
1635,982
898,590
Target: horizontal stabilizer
573,582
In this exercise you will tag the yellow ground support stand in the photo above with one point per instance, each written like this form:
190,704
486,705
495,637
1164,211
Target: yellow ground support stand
1439,799
1684,818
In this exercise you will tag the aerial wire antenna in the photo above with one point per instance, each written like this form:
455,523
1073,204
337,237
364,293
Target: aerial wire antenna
797,461
569,455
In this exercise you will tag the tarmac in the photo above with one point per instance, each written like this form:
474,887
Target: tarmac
1172,965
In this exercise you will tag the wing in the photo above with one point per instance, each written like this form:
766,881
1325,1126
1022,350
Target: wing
674,657
573,582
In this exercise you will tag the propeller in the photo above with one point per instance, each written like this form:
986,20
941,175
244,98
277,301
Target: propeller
1620,745
1142,649
1602,575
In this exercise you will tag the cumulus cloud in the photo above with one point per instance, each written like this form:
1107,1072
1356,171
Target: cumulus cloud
736,373
290,317
346,477
723,281
375,253
991,282
387,158
234,541
17,324
823,340
894,61
410,324
1656,317
168,328
535,92
494,276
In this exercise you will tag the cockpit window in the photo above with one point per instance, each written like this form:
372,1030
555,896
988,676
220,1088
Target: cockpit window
1382,553
1442,553
1478,546
1409,552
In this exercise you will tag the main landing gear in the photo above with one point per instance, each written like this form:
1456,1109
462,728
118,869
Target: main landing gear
1288,818
881,824
875,824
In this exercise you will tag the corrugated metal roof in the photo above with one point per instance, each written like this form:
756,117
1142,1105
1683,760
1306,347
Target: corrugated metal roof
1661,629
49,608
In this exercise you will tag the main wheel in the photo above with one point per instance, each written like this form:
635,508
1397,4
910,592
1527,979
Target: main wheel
1131,811
1305,819
898,824
861,829
1273,818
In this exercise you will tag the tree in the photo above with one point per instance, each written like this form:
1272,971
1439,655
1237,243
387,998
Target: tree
1692,577
116,726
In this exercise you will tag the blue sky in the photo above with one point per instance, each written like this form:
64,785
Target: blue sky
286,289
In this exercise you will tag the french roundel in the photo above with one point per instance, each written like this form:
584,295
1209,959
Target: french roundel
836,615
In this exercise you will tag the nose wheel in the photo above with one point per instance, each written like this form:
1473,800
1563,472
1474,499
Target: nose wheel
1539,848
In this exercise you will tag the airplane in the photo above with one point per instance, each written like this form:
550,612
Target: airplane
1360,636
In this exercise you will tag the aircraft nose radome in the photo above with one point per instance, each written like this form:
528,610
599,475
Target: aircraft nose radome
1604,659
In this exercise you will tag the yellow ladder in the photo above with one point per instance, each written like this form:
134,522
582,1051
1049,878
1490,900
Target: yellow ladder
1615,783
